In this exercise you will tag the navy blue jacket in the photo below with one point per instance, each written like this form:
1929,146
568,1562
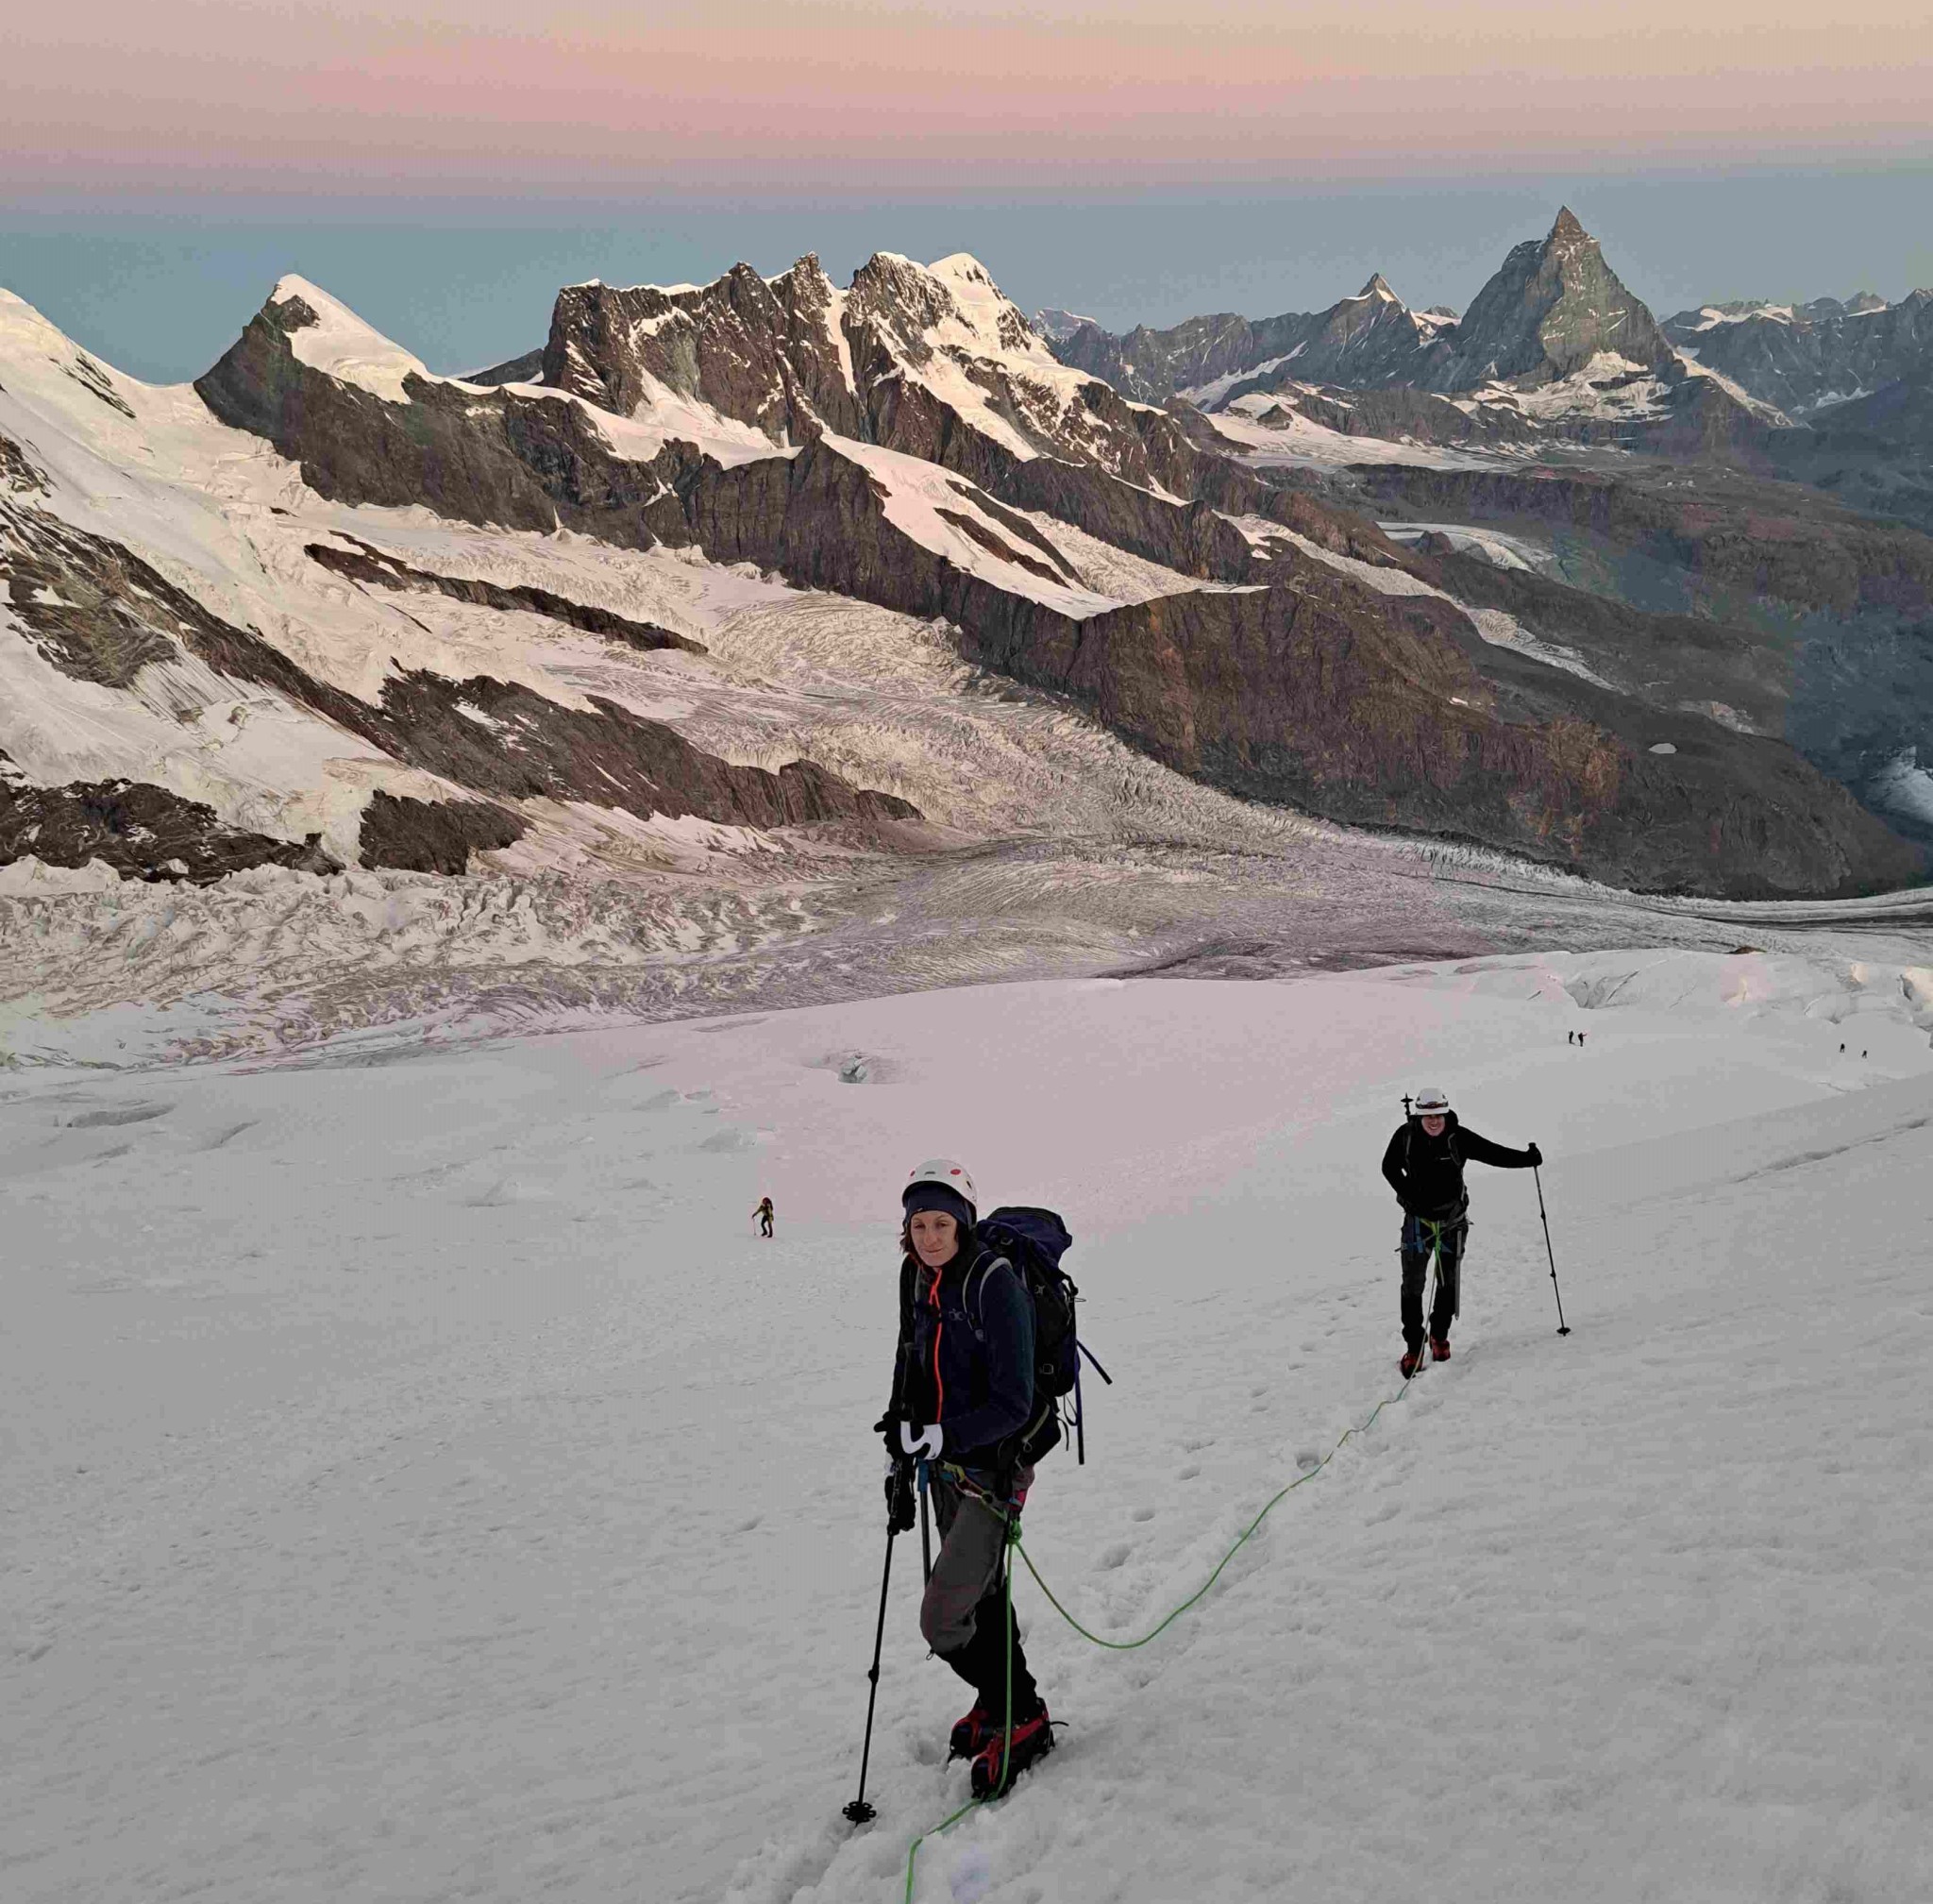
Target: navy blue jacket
966,1365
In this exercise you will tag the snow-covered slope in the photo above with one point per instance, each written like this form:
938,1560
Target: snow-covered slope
511,1523
329,616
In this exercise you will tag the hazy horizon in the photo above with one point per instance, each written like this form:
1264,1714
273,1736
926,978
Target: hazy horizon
160,292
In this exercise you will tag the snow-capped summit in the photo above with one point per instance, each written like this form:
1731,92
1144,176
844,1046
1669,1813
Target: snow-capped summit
904,355
1054,324
327,336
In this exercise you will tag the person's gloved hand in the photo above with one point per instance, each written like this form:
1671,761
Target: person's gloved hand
889,1426
899,1497
1535,1157
914,1440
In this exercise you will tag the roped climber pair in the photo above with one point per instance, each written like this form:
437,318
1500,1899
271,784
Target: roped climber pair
987,1352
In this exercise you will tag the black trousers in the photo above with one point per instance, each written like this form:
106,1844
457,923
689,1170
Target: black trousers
1420,1238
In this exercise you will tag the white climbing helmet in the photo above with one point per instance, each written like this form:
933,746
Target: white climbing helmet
1431,1103
944,1171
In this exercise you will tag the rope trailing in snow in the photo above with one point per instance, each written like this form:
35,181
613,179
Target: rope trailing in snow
1307,1475
1347,1435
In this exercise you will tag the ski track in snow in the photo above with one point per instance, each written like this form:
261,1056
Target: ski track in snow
427,1485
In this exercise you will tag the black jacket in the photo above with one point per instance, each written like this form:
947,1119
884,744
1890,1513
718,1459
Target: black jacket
1426,1173
965,1354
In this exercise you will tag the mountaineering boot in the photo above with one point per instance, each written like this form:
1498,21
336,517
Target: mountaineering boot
1033,1739
971,1733
1412,1361
1440,1348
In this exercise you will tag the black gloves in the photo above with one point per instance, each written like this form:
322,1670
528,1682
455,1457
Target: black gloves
1535,1157
888,1426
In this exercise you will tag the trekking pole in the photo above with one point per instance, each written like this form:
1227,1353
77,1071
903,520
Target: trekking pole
925,1528
859,1812
1563,1329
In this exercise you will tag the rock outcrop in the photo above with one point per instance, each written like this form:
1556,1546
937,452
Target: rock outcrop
142,832
101,615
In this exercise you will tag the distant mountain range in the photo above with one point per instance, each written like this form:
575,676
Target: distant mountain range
1555,319
1526,578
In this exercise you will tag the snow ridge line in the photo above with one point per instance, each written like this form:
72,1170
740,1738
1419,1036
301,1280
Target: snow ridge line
1013,1541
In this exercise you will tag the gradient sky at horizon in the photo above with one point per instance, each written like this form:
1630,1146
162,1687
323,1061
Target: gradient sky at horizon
208,136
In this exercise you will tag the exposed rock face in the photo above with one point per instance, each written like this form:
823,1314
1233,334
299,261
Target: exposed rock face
142,832
77,597
929,360
1310,689
1403,413
1808,356
1552,308
496,737
416,835
363,562
1374,710
1369,339
1757,540
20,475
110,615
519,462
1364,707
1816,623
1874,455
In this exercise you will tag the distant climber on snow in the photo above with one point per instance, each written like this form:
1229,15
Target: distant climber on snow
1424,1166
764,1213
964,1401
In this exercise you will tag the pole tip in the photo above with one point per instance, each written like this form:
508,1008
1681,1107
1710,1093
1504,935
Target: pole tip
861,1812
1563,1332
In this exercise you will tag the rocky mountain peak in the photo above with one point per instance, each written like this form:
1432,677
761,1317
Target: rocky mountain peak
1569,231
1378,287
1552,307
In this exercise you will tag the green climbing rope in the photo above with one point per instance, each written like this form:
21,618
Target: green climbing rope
1014,1542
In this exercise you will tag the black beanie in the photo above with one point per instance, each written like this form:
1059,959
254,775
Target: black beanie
943,1198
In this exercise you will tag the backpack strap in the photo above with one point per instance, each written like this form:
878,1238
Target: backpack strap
973,1291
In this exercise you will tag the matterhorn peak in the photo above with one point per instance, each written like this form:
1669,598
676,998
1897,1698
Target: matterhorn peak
1378,286
1548,314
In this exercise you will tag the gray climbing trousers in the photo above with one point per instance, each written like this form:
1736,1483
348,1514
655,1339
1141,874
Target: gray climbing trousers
960,1616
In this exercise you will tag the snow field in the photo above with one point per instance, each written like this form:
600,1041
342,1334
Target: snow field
425,1483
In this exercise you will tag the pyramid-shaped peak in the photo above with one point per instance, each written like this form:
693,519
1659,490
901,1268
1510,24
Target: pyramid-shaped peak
327,336
1568,229
1378,286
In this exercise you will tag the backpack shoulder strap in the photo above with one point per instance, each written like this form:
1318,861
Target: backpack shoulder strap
974,1291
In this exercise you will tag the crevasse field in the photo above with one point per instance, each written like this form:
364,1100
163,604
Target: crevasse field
421,1482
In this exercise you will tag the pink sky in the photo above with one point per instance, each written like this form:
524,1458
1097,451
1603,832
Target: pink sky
112,96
